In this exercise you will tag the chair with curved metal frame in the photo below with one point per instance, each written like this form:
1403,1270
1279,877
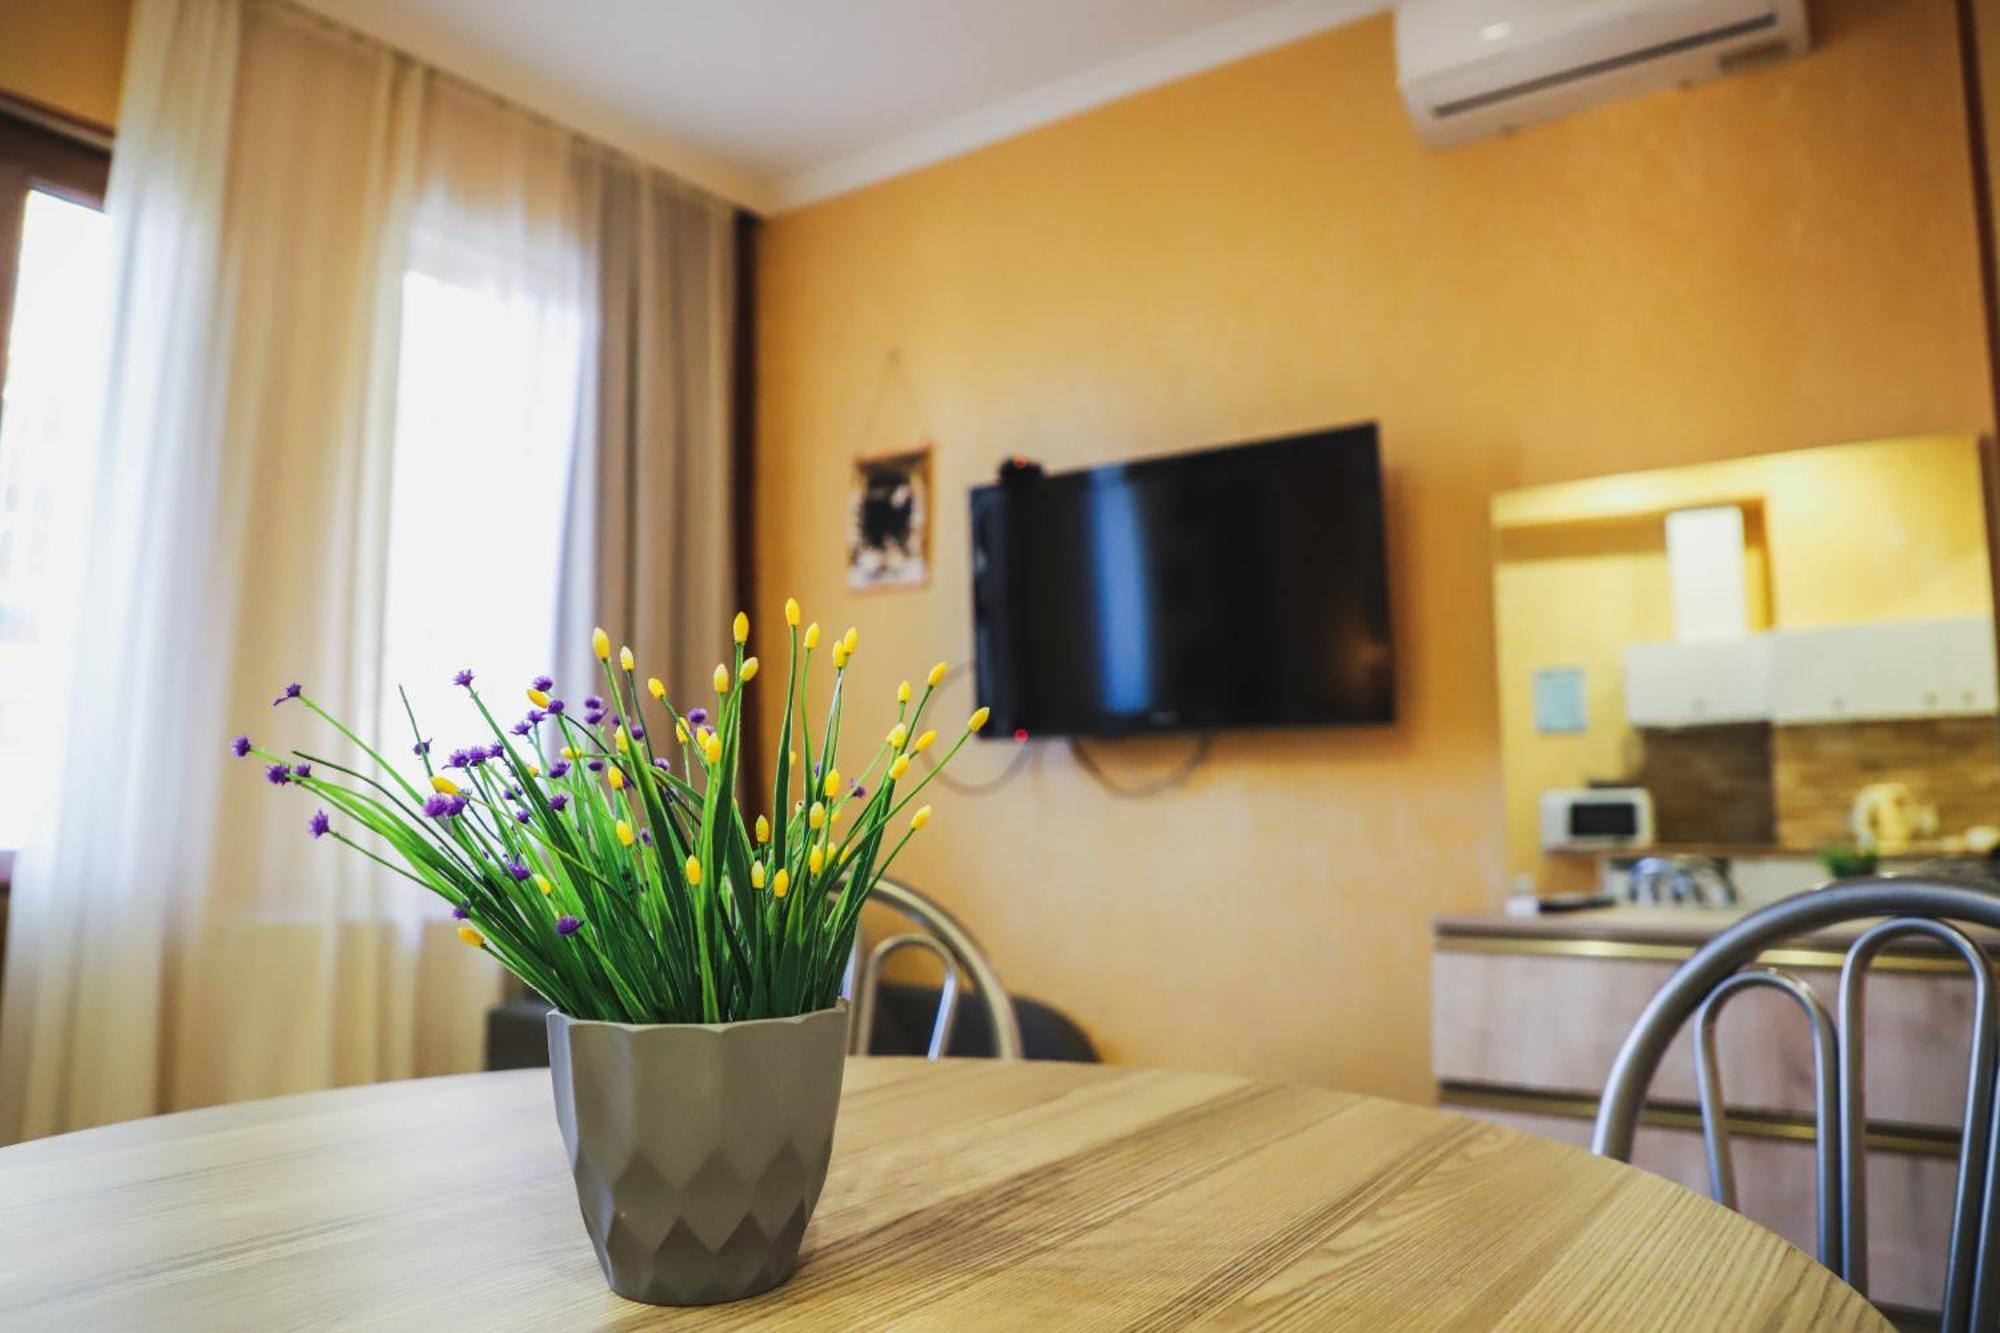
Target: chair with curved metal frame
941,935
1723,968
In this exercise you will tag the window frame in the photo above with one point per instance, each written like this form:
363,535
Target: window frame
37,156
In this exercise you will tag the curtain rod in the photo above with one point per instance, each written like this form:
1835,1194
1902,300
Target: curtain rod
59,123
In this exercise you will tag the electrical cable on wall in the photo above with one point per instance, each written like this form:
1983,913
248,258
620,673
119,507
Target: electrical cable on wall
983,786
1140,791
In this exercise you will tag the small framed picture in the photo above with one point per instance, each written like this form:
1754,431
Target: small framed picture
889,521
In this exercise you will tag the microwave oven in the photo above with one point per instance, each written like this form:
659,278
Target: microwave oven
1597,817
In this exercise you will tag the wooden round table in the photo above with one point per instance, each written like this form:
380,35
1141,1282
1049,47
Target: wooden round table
963,1195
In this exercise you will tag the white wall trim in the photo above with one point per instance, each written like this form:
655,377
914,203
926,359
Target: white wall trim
1003,119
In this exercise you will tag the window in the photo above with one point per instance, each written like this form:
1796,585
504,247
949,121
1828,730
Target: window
54,279
486,402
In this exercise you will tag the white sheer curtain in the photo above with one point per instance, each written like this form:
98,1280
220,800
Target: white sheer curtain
356,328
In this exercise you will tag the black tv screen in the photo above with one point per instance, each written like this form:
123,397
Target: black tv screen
1243,586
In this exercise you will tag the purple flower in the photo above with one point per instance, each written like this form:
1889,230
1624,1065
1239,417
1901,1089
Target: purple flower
558,801
458,913
458,804
638,732
593,716
646,836
458,759
464,678
523,817
420,749
475,757
660,761
543,683
496,751
555,705
437,807
511,792
592,701
291,691
522,728
595,765
857,791
302,771
277,775
616,720
697,716
558,768
318,824
518,869
535,716
240,746
568,925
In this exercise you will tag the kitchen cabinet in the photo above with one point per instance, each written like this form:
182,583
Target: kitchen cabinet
1698,684
1884,670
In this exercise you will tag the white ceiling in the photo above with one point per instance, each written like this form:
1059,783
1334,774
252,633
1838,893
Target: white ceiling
776,103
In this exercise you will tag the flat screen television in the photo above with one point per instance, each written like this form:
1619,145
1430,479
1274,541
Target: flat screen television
1242,586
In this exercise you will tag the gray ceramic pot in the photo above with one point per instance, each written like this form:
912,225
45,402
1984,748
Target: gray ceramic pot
698,1149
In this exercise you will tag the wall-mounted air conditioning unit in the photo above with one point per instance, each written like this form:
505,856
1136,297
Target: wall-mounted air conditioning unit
1470,68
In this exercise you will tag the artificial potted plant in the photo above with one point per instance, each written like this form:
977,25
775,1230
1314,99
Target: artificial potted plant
692,942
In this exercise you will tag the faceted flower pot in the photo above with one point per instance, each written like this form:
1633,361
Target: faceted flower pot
698,1149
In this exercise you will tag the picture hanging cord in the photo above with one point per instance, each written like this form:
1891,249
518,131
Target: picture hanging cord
892,371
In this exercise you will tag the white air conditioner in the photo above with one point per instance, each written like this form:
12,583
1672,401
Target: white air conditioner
1470,68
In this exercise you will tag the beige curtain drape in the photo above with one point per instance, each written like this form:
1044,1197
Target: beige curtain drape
175,938
651,531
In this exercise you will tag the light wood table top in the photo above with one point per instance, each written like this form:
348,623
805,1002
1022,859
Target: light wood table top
966,1195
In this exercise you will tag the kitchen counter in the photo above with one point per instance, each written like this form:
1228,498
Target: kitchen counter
1680,928
1528,1014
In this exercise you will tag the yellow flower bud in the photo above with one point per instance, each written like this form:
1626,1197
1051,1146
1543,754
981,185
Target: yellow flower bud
763,830
897,735
839,654
978,719
624,741
846,852
832,783
812,636
681,732
919,819
851,640
816,862
542,883
533,771
780,882
655,688
936,678
749,670
900,767
616,777
539,698
816,816
741,627
756,874
792,612
569,753
924,742
472,937
903,693
711,748
625,658
721,679
694,870
624,834
444,786
600,643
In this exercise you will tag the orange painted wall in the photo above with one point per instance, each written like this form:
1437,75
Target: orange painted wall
1781,259
66,55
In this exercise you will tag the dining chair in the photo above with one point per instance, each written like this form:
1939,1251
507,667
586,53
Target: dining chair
941,935
1919,908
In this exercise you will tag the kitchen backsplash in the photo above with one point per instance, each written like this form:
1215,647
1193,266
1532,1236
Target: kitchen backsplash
1952,763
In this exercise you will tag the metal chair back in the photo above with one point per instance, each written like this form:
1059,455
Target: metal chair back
1725,967
941,935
